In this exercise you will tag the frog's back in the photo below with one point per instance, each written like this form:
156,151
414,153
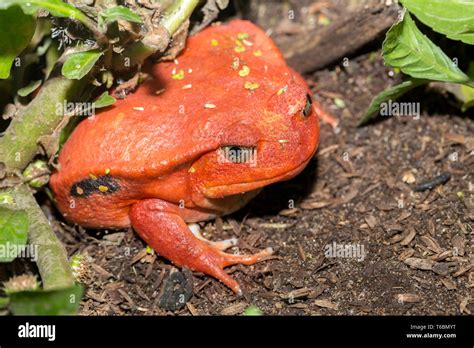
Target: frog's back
180,113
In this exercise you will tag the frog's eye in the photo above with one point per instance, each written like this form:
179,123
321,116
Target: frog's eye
237,154
307,108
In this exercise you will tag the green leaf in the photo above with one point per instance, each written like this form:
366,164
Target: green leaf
115,13
16,31
4,302
392,93
467,97
56,8
104,100
252,311
77,65
49,302
407,48
33,85
14,233
453,18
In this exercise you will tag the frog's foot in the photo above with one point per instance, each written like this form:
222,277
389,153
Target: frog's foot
168,234
221,245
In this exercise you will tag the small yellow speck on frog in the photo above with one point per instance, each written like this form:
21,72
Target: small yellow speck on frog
257,53
107,171
192,170
282,90
103,188
235,63
242,36
209,106
92,176
239,47
244,71
251,85
179,75
214,42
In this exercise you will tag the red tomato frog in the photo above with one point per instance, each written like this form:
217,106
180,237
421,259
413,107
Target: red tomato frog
197,140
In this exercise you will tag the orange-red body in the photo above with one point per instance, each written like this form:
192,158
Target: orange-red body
157,159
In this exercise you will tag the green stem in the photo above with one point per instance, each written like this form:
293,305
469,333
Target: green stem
174,17
19,144
177,13
52,261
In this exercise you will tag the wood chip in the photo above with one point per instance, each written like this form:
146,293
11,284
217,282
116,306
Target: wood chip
463,305
345,164
407,298
101,271
385,206
431,227
126,297
236,227
328,149
406,254
142,253
396,238
142,294
442,256
310,205
461,226
298,293
390,226
96,297
288,212
458,243
417,263
115,238
409,237
349,196
276,225
431,244
404,215
326,304
371,221
448,283
463,270
301,251
218,224
192,309
234,309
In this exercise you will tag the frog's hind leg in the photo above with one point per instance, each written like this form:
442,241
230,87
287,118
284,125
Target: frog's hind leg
221,245
166,232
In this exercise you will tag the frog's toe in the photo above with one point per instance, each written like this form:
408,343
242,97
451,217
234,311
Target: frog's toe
224,244
220,245
216,265
250,259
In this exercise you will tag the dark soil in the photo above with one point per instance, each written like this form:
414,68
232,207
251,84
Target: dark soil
354,192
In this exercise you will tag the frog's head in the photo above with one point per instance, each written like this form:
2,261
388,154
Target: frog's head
269,136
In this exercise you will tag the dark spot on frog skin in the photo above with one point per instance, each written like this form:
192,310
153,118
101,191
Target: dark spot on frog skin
103,185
